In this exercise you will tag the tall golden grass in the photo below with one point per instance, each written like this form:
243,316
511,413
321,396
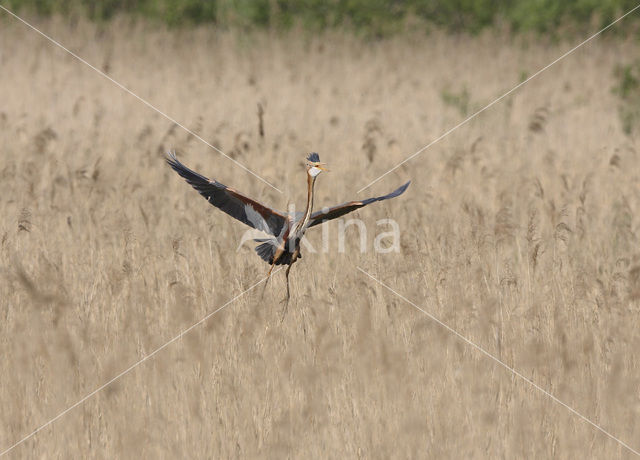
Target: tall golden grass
520,231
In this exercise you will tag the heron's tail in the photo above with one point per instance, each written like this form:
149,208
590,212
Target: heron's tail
267,250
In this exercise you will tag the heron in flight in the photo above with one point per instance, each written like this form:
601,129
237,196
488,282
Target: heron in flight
284,230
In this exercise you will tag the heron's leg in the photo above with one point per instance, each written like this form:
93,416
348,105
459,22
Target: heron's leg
276,257
273,264
264,288
287,276
294,257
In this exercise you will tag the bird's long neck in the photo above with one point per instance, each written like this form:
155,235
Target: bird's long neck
307,213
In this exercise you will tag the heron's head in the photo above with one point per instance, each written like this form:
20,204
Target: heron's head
314,166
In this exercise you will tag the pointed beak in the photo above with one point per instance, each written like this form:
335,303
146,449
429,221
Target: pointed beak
321,167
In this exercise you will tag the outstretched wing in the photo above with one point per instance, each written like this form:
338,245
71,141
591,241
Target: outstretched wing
228,200
336,211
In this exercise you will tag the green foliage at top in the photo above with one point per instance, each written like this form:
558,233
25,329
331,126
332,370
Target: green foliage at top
459,100
377,17
628,89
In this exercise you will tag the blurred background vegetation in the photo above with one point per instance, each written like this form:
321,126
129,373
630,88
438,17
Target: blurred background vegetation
628,89
371,17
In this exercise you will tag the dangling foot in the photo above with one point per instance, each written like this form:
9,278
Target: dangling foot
285,309
264,288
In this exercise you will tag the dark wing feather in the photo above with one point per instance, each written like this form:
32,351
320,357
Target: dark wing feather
228,200
336,211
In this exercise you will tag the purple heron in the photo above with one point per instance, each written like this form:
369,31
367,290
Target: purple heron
284,230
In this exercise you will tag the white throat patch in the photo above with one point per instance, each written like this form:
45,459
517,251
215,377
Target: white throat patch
313,171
